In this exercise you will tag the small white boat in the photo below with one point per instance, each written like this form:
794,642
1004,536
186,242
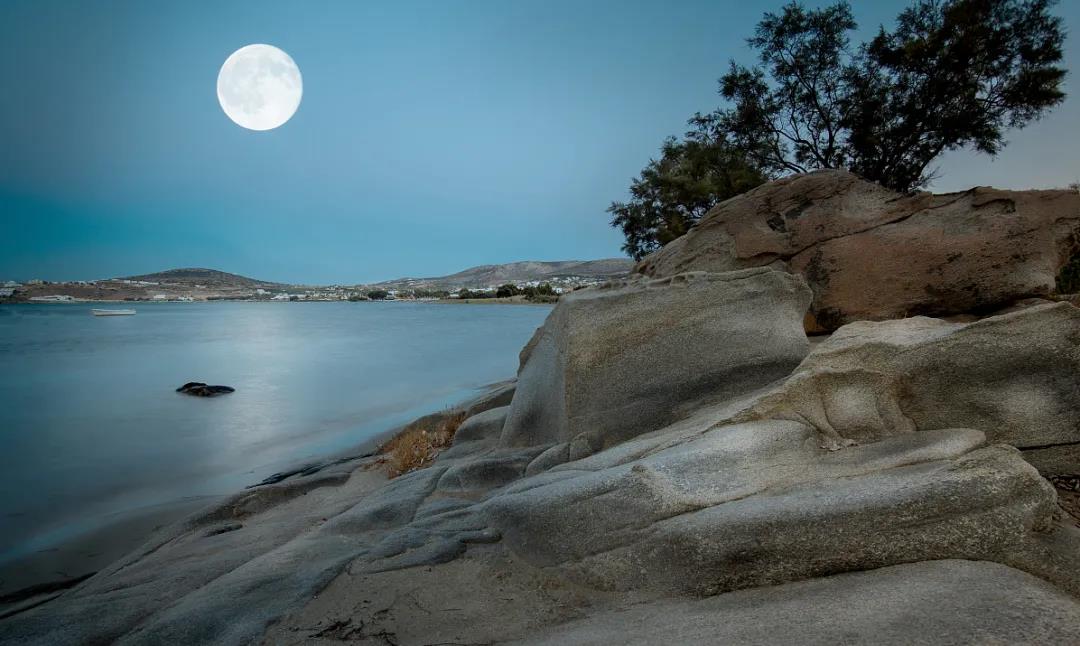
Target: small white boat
112,312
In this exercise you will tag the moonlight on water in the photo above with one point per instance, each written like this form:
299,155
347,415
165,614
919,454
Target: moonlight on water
259,87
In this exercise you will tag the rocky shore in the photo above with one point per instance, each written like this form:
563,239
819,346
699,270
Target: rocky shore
679,462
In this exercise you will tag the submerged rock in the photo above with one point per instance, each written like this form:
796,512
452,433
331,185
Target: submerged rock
199,389
871,254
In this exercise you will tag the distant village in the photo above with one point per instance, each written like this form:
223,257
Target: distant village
127,290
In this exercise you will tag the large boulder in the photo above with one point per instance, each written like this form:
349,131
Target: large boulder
613,362
1013,376
744,505
872,254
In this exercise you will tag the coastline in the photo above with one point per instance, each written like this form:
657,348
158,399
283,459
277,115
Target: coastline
25,578
36,578
513,300
444,301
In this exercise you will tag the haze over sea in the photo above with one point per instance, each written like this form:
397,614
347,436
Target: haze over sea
93,429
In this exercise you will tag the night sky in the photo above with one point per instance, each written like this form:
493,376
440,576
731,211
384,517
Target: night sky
431,137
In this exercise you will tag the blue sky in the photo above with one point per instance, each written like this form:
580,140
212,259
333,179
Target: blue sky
432,136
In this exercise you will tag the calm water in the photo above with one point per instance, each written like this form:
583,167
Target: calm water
91,426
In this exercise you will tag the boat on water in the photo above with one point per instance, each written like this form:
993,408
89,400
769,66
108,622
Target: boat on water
112,312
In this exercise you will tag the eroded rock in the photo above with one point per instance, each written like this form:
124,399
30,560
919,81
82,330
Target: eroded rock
871,254
481,426
630,357
1012,376
937,602
760,503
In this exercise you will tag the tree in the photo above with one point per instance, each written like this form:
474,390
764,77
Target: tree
543,293
465,293
795,122
673,192
953,74
378,294
430,293
507,290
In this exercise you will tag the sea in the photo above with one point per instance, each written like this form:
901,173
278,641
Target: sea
92,429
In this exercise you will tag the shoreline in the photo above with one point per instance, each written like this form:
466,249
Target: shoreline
38,577
440,301
488,301
86,553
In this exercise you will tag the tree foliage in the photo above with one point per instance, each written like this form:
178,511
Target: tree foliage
507,290
951,74
469,294
543,289
787,113
673,192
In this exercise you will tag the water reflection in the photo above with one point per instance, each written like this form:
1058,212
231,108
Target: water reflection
92,425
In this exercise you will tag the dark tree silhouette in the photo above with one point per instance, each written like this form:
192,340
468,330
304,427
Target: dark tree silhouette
952,74
673,192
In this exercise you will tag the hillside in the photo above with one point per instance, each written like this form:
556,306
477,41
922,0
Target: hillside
210,284
519,272
190,276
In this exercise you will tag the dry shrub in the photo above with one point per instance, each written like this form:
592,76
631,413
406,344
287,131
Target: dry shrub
417,445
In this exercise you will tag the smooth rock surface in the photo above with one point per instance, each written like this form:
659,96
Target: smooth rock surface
481,426
937,602
693,508
760,503
871,254
499,395
1012,376
629,357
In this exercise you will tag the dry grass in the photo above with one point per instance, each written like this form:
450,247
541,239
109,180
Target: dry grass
417,445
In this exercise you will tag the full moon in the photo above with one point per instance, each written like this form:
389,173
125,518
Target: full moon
259,87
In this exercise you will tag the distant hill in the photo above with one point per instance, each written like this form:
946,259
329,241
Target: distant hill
197,276
474,277
518,272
